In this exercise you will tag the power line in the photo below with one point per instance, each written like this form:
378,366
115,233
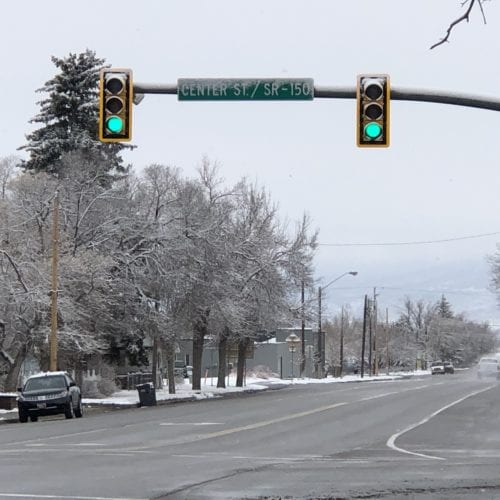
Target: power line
402,243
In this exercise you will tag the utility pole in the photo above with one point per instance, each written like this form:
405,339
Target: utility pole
319,355
53,291
319,361
387,339
302,333
370,336
341,341
363,340
375,356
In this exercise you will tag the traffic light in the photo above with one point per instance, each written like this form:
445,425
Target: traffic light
115,105
373,103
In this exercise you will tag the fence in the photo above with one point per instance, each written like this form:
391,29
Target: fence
130,380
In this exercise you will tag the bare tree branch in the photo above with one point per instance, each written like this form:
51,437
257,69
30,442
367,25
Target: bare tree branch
16,269
464,17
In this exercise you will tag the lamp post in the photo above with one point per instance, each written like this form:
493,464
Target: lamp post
319,358
292,340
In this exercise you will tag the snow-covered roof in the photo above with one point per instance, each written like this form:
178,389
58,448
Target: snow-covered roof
45,374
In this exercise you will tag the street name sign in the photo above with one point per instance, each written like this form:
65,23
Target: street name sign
245,89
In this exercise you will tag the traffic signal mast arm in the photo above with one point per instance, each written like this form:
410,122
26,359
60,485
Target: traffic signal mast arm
408,94
397,94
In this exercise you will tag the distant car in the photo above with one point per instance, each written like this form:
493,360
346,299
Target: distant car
448,367
437,368
49,394
489,367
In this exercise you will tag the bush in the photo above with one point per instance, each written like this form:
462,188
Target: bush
106,387
98,389
261,371
90,390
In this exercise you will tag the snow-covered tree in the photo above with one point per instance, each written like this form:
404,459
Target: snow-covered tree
8,165
69,118
443,308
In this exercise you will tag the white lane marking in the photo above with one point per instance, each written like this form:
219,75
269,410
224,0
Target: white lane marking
300,458
384,394
84,444
264,423
38,440
391,441
24,495
34,445
233,430
192,423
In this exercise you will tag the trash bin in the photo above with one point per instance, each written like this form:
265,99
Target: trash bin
147,394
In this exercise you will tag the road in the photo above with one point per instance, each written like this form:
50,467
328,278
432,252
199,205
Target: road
434,437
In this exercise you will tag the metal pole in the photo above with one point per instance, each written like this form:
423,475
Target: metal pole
317,358
363,340
341,341
387,339
321,340
349,92
53,291
375,355
370,337
303,333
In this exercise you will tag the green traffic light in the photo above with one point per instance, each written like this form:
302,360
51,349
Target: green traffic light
373,130
114,124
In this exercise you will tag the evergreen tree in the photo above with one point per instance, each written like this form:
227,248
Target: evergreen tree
69,118
444,309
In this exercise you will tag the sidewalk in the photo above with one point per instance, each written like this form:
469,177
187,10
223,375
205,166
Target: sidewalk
209,390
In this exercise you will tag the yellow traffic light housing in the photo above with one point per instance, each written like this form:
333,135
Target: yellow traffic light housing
373,111
116,94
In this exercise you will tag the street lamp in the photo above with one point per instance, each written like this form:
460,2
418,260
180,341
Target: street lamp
319,359
293,341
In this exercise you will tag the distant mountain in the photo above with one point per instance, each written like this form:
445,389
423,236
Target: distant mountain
466,285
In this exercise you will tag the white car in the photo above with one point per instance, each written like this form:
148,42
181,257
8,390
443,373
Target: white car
489,366
437,367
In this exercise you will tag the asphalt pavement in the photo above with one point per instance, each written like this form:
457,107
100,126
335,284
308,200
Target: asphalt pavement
434,437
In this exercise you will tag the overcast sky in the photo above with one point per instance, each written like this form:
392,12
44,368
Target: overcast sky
438,180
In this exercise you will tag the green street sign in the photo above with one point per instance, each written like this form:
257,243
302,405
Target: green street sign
245,89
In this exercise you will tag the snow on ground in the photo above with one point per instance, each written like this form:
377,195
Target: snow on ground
209,389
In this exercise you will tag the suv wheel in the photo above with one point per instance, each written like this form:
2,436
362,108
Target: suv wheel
79,409
23,416
69,412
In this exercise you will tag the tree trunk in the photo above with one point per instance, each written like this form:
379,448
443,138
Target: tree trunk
222,348
12,380
199,333
170,367
242,349
154,362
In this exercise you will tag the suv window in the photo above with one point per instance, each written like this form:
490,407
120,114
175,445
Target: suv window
42,383
489,360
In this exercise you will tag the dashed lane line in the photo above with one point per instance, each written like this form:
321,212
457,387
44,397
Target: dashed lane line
65,497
